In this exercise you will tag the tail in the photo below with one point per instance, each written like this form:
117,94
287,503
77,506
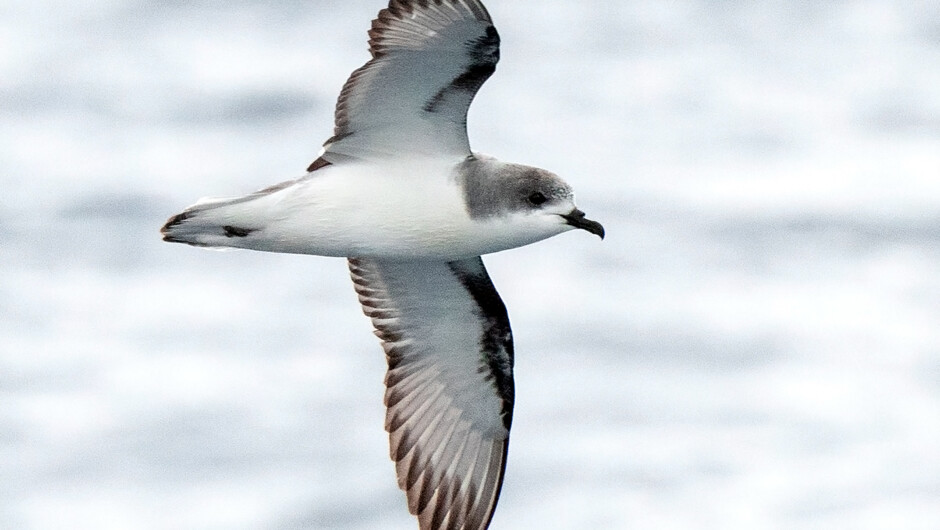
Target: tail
215,223
224,222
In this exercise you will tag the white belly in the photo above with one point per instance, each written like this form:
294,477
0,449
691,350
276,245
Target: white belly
356,211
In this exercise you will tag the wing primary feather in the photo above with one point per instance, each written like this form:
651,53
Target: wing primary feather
449,386
428,60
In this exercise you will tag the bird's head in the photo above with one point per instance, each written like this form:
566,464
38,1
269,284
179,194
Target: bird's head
524,196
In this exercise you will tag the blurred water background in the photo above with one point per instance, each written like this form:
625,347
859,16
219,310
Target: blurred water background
756,344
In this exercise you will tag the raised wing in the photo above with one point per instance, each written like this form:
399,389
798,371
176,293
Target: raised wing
429,58
449,386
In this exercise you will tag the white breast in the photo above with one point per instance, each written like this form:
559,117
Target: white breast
404,211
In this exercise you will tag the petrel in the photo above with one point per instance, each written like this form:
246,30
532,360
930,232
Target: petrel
398,192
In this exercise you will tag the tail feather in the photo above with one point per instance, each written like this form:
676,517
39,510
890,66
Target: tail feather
228,222
212,223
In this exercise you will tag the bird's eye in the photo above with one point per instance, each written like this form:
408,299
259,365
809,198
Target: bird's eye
537,198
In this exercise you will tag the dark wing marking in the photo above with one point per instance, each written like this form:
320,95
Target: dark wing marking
429,58
449,386
320,162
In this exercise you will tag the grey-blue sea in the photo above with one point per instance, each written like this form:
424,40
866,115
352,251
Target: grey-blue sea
756,344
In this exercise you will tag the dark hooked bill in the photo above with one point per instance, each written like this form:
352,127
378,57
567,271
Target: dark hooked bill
577,219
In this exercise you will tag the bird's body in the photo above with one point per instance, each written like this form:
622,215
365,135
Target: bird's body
409,208
398,191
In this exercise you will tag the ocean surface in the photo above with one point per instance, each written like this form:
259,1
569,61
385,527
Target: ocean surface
756,344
